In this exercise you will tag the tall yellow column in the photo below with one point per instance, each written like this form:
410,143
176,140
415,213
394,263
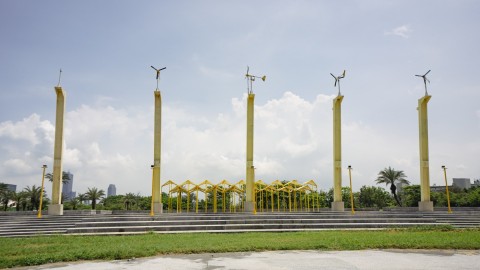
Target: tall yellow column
337,204
425,204
250,182
56,207
157,150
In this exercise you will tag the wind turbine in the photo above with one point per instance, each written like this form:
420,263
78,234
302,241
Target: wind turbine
158,73
59,78
425,80
250,79
337,79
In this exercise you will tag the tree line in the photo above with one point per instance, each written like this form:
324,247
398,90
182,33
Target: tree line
367,197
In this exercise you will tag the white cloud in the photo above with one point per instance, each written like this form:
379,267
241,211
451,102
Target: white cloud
17,166
293,140
401,31
26,130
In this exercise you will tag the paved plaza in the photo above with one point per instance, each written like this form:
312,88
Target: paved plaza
364,259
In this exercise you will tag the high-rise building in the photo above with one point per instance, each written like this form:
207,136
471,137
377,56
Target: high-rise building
67,187
112,190
12,187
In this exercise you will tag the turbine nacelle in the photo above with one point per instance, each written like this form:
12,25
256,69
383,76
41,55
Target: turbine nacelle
158,73
337,80
425,80
251,78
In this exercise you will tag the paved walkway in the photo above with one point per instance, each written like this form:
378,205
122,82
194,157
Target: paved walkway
365,259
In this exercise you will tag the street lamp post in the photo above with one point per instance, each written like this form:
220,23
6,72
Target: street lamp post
446,188
39,214
153,187
351,190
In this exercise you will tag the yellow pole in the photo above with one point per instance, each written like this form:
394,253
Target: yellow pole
223,201
56,206
425,204
157,150
196,202
250,169
337,204
290,201
351,190
271,196
153,189
39,215
206,202
215,199
446,188
278,201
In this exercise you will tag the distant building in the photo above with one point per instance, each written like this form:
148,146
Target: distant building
67,187
476,183
12,187
112,190
463,183
436,188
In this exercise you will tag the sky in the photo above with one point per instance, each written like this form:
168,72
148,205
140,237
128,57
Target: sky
105,50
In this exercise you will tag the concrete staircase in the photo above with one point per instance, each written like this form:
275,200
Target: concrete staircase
18,226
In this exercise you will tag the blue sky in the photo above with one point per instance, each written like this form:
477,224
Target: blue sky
105,49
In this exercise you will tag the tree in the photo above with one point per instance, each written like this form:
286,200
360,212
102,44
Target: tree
94,194
5,197
389,176
20,199
374,197
65,177
345,197
130,200
411,195
82,198
33,195
74,203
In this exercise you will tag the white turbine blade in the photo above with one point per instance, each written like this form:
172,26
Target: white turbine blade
427,72
153,67
333,76
419,75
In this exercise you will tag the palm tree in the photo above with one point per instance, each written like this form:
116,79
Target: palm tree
82,198
65,177
74,202
33,194
94,194
5,197
130,199
20,199
389,176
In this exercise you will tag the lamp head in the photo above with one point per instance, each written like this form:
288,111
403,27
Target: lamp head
151,166
349,167
44,166
443,167
264,78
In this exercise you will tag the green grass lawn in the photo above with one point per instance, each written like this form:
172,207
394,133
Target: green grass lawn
47,249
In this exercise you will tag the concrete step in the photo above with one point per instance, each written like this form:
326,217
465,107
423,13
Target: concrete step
229,227
22,226
249,221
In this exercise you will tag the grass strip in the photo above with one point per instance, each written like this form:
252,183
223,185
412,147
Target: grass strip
47,249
